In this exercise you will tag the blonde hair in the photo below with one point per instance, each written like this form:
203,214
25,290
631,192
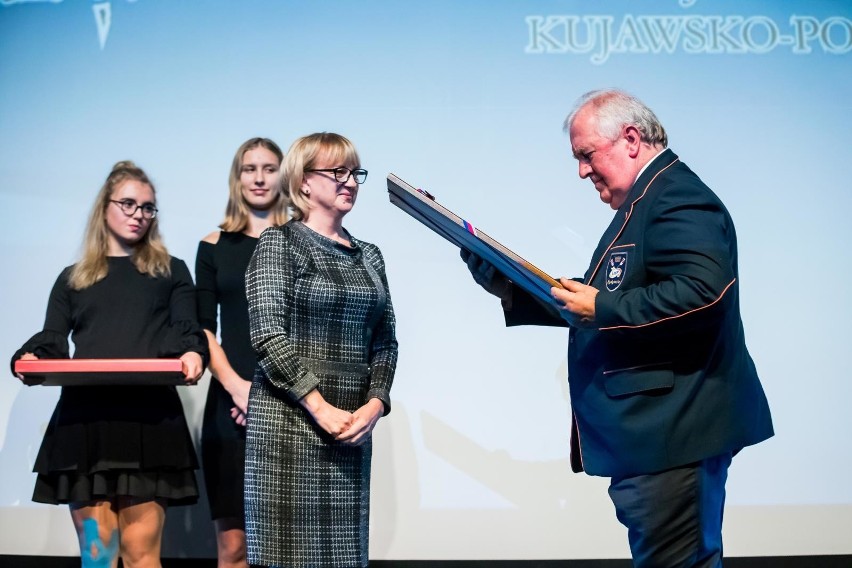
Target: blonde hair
237,212
149,254
304,155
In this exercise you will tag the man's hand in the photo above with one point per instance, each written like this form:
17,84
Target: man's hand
576,302
487,276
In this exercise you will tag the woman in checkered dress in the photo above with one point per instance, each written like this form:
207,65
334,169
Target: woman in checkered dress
323,326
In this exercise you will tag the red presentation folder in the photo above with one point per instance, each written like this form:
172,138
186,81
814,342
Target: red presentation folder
91,372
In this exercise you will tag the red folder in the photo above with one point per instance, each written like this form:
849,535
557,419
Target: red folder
91,372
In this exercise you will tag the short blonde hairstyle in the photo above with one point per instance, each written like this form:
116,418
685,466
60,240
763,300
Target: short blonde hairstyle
304,155
237,212
149,253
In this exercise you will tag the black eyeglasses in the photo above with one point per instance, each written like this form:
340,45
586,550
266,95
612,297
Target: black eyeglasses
129,208
342,175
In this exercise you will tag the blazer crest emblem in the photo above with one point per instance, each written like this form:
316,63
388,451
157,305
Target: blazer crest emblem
616,268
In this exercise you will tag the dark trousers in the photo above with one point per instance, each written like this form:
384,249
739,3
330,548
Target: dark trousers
674,517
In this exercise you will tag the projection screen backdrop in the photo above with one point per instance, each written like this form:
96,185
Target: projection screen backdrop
466,99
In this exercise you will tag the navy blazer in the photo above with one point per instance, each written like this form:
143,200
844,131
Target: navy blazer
664,378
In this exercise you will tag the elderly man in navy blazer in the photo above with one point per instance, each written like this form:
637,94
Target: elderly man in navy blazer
663,390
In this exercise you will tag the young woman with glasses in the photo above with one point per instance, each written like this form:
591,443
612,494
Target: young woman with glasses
256,201
323,327
120,455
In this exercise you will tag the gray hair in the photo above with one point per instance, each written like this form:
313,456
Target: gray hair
614,109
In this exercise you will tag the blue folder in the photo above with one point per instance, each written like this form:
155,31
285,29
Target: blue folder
422,206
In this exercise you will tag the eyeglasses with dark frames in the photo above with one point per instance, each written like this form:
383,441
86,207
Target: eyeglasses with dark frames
130,207
342,175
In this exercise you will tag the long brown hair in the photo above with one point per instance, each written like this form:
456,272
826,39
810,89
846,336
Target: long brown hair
149,254
237,212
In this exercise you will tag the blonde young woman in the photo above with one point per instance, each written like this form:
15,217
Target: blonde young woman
121,454
256,201
323,326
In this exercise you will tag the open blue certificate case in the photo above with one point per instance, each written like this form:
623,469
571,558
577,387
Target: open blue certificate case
422,206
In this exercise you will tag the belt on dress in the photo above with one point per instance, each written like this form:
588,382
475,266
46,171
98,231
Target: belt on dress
336,367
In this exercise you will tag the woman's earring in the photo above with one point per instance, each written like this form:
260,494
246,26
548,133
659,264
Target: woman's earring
306,191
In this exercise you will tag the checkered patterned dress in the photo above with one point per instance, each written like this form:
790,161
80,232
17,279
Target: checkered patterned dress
321,317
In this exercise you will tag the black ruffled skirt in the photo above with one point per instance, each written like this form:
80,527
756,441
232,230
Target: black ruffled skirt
108,442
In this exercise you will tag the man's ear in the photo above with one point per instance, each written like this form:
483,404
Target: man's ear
633,138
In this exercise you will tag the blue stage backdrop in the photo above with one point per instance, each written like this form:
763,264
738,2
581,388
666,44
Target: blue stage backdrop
466,99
